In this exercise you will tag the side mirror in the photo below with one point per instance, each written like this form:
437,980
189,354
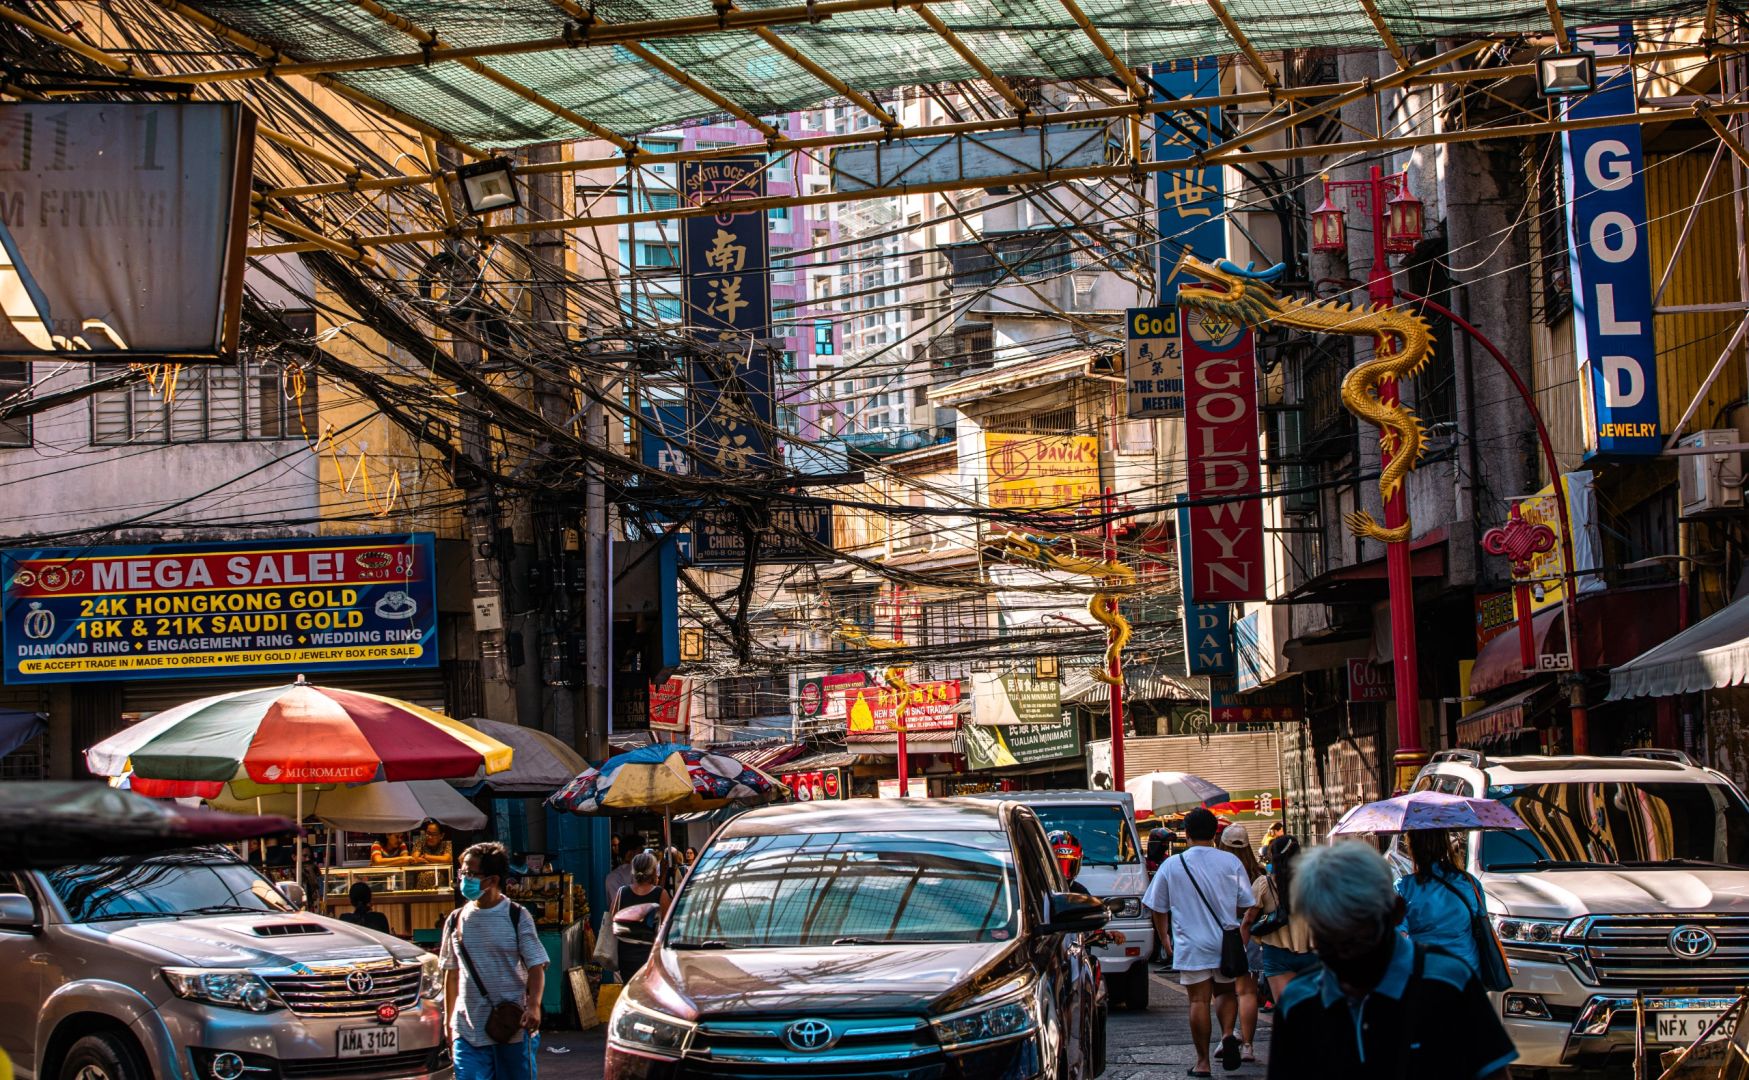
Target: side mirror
1073,913
17,913
637,924
293,893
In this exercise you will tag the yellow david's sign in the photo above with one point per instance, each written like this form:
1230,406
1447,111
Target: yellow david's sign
1042,472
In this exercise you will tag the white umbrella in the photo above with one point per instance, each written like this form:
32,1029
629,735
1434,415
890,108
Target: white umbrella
384,807
1159,793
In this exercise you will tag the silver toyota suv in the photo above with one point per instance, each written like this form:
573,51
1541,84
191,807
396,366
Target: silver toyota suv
1628,895
192,966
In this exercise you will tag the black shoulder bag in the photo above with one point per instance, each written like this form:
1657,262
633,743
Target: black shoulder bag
1491,969
1276,918
1233,962
505,1020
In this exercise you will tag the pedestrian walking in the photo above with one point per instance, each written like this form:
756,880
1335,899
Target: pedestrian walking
1283,936
1236,839
1196,897
646,887
1384,1007
494,972
1440,897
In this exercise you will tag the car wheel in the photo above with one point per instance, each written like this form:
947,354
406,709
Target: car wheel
103,1056
1131,988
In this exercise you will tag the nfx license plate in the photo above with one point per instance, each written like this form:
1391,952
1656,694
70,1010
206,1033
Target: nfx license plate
369,1042
1685,1027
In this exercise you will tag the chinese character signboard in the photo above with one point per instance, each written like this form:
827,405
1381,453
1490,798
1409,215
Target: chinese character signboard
1042,472
871,712
287,607
1190,203
1603,171
1153,364
1225,555
718,537
1015,699
725,267
1269,705
1021,744
671,705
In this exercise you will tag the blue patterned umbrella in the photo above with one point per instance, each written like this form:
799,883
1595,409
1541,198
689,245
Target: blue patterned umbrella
666,778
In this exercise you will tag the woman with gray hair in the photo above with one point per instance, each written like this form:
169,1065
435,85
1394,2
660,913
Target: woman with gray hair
1383,1007
645,888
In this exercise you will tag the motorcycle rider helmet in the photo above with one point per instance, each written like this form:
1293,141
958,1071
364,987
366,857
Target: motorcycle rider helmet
1067,850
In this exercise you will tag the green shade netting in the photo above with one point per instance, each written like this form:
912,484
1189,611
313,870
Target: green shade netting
871,50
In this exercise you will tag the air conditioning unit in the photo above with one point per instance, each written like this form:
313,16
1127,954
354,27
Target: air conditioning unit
1710,483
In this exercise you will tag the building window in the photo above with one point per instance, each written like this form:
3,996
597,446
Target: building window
653,200
919,396
783,276
658,254
823,343
1049,422
14,383
745,698
1135,437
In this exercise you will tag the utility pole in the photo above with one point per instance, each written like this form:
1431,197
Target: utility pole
1116,668
898,713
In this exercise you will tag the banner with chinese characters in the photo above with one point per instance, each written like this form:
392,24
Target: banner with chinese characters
1189,201
1021,744
257,607
725,268
1267,705
718,536
1545,579
1042,472
1015,698
671,705
871,711
1220,431
1153,364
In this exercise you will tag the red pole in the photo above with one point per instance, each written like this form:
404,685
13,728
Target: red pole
1116,668
1405,661
899,636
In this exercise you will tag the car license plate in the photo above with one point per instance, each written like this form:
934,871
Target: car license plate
1685,1027
369,1042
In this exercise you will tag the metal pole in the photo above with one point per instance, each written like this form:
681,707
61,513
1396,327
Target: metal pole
899,636
1116,668
1569,578
1405,661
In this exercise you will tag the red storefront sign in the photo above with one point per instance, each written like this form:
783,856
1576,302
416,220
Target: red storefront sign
1220,429
1368,681
671,705
871,711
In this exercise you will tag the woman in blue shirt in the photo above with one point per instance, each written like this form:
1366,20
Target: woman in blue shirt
1440,896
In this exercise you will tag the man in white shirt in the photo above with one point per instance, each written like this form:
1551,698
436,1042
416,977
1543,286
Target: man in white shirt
1194,897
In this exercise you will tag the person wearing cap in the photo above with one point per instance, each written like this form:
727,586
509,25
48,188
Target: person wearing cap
1236,839
1195,897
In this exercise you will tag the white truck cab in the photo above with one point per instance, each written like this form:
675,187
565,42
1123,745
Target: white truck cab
1628,894
1111,868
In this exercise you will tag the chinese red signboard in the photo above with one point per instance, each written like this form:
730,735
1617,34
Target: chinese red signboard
671,705
1368,681
871,710
1220,428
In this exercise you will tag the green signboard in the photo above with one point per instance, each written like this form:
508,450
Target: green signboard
998,745
1014,699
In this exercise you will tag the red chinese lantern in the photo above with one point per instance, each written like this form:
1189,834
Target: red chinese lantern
1329,230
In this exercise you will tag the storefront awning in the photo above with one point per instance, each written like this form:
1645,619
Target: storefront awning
922,742
1708,655
1615,625
1499,720
1364,582
1142,682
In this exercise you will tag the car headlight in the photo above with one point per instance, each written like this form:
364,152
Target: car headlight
1517,931
988,1023
649,1031
1125,907
233,988
431,977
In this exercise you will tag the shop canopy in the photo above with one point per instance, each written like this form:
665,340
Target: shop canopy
517,72
1712,653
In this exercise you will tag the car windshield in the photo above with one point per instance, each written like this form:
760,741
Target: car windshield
1106,839
1619,823
192,883
802,889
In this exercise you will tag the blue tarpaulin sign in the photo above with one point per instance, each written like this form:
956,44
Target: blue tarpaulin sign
1604,175
1208,628
1189,201
718,537
725,262
255,607
661,441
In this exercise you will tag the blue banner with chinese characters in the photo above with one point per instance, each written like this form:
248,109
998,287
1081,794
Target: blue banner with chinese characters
727,291
1190,202
258,607
1603,170
1208,628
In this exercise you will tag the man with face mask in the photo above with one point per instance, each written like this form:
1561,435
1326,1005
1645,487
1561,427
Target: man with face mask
494,971
1383,1008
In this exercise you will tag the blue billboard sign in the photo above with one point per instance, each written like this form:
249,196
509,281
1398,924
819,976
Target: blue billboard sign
726,274
1208,628
1611,265
719,538
1189,201
180,611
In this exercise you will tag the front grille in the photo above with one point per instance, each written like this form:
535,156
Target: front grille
411,1063
862,1047
1633,952
325,992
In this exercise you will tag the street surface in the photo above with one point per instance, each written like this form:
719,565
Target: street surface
1152,1045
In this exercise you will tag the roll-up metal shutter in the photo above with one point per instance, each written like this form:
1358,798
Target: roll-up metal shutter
1240,761
421,686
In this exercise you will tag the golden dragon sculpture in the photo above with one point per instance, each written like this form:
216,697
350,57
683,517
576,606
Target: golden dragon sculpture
1102,605
1402,345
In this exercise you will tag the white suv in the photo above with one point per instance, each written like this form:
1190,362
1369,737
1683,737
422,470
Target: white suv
1630,893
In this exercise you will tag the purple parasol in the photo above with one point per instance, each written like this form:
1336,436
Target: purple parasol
1427,810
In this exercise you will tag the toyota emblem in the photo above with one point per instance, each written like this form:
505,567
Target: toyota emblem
1693,942
809,1036
360,982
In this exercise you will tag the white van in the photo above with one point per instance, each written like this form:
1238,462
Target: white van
1111,868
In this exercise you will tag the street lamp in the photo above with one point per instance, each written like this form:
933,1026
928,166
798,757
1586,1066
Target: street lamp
1566,74
1329,231
488,185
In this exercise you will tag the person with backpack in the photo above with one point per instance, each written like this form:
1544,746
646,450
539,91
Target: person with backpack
494,972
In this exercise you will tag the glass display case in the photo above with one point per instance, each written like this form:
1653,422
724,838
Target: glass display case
547,896
414,898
